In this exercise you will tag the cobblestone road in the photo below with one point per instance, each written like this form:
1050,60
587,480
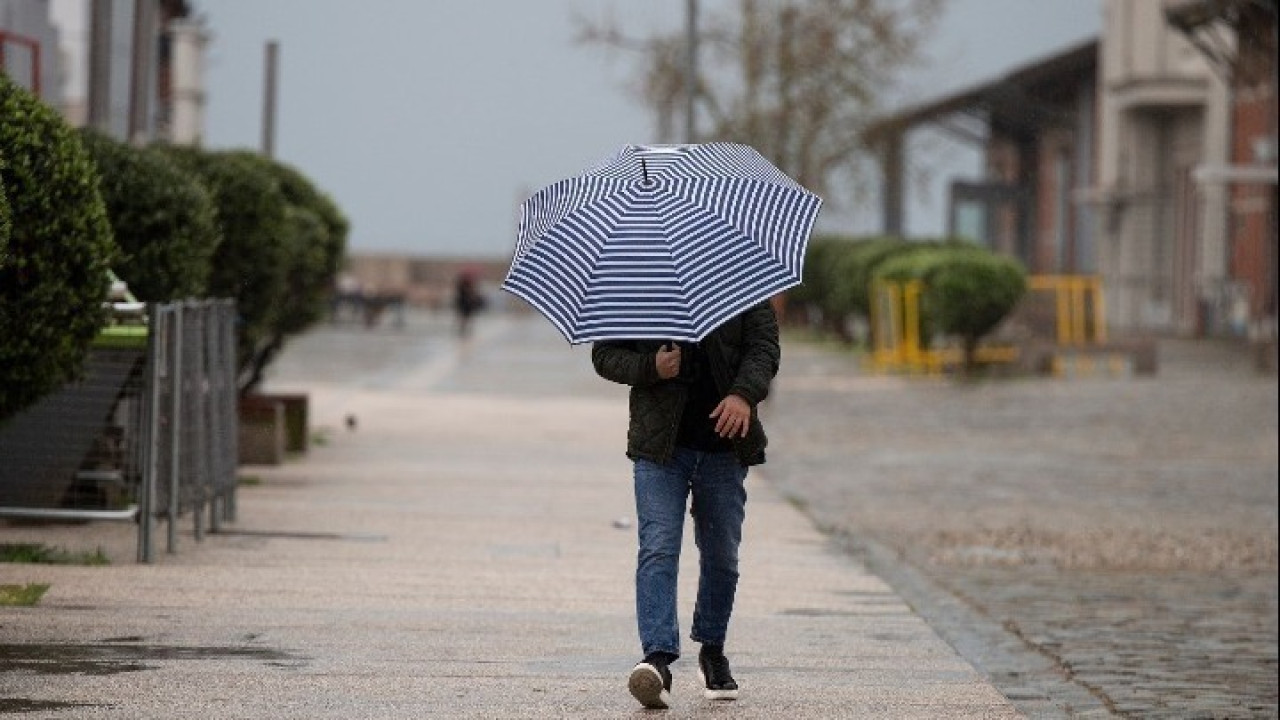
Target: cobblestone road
1119,534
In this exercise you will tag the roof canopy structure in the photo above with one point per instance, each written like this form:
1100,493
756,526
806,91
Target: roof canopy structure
1014,104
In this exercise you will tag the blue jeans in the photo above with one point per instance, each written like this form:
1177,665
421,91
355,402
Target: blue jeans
718,509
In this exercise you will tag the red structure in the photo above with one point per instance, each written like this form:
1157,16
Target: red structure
11,42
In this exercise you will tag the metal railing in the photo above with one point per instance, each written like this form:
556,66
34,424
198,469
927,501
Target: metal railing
1078,312
189,464
149,434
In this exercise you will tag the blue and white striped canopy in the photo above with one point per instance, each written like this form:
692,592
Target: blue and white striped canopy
661,241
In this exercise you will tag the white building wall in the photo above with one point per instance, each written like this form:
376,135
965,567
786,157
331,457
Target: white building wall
30,19
188,41
72,20
1162,112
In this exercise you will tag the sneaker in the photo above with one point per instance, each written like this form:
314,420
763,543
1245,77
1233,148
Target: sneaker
717,681
650,683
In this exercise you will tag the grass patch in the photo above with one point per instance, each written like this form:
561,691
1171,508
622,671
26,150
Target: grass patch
40,554
22,595
248,481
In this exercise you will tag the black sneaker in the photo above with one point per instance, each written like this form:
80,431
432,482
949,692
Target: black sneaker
717,681
650,683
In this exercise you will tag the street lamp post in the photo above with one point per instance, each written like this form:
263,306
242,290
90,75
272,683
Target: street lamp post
690,69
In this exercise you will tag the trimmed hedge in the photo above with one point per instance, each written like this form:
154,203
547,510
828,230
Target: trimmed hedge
971,293
6,223
967,290
317,251
53,284
314,243
283,244
250,263
163,219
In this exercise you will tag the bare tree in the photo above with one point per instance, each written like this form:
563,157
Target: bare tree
798,80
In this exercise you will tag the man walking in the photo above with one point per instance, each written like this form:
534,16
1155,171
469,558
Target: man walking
694,431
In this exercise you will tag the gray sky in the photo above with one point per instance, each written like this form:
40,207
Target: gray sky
428,122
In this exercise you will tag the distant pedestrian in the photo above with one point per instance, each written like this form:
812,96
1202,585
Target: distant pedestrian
694,430
467,301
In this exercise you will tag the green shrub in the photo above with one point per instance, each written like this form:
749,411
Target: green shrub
971,293
6,223
967,290
850,291
53,284
318,246
814,292
26,595
250,263
314,243
817,268
162,217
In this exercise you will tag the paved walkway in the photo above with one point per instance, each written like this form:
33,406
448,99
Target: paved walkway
466,551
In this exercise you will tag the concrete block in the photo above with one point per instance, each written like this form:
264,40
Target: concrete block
262,431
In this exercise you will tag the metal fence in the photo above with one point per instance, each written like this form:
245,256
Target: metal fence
147,435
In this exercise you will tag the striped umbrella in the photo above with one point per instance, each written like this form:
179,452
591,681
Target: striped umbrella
661,241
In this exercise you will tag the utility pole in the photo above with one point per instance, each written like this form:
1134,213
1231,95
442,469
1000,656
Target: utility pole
269,99
690,69
142,73
99,99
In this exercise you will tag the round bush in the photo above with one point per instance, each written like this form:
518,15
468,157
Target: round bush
967,290
318,231
162,217
5,223
851,289
249,264
970,293
53,284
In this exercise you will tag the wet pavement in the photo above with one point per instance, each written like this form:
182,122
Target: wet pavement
1095,544
466,550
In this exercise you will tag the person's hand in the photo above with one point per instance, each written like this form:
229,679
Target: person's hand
732,416
668,361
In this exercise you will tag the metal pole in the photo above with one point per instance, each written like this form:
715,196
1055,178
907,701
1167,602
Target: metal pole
195,372
142,72
690,69
231,418
150,441
269,99
99,109
175,423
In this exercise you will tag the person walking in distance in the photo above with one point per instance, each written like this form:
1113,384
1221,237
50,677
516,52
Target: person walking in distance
467,301
694,431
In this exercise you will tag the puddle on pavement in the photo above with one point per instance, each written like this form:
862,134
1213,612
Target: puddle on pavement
23,705
302,535
115,658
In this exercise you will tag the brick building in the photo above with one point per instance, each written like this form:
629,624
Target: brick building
1239,38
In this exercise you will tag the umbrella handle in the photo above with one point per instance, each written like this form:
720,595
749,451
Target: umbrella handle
644,169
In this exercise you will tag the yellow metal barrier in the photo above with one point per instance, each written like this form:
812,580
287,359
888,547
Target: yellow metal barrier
1080,312
1074,305
897,342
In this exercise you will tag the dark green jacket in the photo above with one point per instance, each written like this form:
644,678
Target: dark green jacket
743,354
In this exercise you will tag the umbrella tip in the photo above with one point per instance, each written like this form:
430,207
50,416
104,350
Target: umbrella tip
644,169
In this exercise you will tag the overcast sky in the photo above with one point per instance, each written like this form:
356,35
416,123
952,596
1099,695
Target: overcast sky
428,122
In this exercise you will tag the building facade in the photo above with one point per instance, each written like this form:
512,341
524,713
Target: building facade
29,48
133,69
1238,37
1036,127
1163,112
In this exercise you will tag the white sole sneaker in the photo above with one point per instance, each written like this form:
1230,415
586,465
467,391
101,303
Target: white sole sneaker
646,686
710,694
